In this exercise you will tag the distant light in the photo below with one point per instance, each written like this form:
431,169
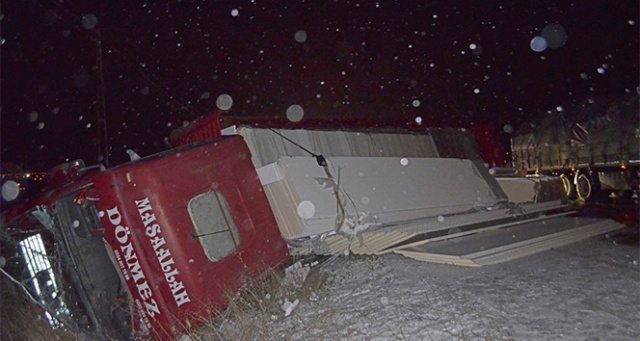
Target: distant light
473,46
416,103
419,120
476,91
404,161
234,12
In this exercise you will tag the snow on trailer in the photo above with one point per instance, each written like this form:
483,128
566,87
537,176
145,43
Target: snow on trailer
368,189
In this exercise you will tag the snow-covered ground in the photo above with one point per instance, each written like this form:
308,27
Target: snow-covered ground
585,291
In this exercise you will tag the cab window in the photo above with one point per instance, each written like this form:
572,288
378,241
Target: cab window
214,225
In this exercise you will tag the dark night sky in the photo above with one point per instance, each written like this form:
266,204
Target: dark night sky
166,62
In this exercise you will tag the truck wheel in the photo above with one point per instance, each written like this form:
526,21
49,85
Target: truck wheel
569,187
584,187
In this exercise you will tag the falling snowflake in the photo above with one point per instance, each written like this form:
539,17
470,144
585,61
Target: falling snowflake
300,36
224,102
306,209
295,113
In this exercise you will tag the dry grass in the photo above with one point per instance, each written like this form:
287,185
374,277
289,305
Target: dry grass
21,319
251,314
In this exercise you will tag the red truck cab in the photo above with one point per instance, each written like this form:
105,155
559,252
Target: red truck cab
146,249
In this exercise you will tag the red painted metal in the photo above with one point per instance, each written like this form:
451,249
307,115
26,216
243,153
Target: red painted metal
143,210
168,183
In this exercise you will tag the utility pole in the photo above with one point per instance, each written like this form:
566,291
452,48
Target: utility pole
103,139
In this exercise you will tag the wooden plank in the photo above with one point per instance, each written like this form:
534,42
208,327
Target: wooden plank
374,242
284,200
446,222
584,233
501,245
497,238
338,243
436,258
581,229
366,243
474,231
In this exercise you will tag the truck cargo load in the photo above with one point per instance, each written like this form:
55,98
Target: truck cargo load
594,147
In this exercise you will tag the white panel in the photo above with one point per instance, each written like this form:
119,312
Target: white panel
284,203
266,145
269,174
532,189
386,190
230,130
519,189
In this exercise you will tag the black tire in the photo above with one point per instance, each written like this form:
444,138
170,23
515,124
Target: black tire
584,186
569,187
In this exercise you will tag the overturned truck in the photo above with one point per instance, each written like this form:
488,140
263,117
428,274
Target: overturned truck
151,248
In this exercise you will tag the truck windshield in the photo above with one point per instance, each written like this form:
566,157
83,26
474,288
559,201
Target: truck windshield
67,270
34,260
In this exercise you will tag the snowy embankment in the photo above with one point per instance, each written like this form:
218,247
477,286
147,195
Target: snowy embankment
585,291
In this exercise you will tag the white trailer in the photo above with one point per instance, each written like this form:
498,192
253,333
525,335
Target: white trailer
373,193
